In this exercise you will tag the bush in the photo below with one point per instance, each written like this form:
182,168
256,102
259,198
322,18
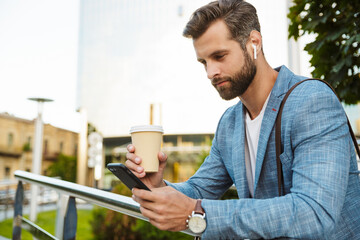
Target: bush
108,224
64,167
147,231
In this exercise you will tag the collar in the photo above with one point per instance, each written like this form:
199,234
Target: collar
283,81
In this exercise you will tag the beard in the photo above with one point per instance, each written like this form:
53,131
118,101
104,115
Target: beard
239,82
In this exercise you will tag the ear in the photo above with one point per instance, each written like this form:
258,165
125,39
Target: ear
255,42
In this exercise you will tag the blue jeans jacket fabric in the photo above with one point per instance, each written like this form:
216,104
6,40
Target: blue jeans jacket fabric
321,183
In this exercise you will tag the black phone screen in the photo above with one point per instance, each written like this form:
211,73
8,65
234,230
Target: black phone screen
126,176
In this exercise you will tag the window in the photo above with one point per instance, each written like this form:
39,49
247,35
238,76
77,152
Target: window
7,173
61,147
10,139
27,145
29,141
46,147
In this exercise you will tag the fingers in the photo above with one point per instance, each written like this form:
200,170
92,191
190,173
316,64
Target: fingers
142,195
162,160
155,219
133,162
131,148
131,156
150,209
162,157
136,169
165,208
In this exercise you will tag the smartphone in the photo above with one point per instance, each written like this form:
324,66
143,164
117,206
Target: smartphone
126,176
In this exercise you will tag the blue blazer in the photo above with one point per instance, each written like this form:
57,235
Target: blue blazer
320,170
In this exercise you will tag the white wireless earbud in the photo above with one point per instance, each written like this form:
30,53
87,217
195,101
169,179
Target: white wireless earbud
254,51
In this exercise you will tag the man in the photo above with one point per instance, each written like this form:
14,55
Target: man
321,185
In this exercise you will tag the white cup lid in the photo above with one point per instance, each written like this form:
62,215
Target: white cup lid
147,128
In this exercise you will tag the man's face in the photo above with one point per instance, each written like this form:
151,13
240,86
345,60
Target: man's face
230,69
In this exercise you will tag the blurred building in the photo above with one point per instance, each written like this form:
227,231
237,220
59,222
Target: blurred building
16,143
185,153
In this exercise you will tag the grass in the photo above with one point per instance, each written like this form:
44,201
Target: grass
46,220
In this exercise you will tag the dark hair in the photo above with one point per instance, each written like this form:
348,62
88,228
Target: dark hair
239,16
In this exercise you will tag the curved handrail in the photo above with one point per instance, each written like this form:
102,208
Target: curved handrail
116,202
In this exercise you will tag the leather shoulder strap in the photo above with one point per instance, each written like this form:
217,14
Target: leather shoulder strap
278,145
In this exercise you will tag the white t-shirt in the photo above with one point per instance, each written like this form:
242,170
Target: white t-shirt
252,133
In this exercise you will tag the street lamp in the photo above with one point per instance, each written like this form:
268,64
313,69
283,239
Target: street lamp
37,154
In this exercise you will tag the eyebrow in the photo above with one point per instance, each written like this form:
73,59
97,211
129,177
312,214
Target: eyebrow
214,53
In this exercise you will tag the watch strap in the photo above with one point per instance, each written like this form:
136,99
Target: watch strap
198,208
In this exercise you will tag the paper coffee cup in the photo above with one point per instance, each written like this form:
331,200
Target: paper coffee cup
147,141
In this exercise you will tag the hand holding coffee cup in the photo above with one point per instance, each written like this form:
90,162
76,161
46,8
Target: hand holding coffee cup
147,140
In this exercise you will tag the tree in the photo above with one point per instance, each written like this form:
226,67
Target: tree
64,167
335,51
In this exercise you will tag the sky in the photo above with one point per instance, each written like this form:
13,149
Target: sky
38,58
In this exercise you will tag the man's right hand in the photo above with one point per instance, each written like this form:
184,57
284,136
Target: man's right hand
152,180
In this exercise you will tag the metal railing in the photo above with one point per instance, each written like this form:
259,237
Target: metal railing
66,221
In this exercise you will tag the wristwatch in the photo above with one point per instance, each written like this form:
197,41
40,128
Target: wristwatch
196,221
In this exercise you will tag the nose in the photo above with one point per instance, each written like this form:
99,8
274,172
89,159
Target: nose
212,70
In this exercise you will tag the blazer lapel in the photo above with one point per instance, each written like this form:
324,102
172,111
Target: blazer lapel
280,88
238,154
266,128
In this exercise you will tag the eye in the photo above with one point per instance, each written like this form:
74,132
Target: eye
219,57
203,62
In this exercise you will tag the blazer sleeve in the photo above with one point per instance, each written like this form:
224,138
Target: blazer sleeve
319,168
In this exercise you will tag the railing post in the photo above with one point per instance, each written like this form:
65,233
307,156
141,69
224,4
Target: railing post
70,222
18,205
60,215
7,199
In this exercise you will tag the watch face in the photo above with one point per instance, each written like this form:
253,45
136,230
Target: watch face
197,224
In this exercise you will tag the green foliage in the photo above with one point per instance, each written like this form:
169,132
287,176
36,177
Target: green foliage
336,49
91,128
147,231
231,193
26,147
108,224
203,155
201,158
6,230
64,167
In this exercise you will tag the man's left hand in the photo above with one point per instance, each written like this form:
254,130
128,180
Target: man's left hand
166,208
